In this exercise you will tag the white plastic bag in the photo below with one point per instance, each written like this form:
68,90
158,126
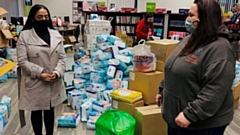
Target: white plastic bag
144,59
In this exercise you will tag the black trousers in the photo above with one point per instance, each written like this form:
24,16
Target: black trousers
37,121
210,131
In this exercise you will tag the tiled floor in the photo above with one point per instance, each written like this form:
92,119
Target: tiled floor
13,127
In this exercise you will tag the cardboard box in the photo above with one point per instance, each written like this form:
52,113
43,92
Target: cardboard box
162,48
236,103
127,107
5,34
149,121
129,42
118,34
147,83
236,90
160,66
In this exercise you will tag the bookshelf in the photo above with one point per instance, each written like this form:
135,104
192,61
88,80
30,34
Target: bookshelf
158,24
77,12
176,25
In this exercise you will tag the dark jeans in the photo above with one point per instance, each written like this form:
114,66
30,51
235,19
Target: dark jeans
210,131
37,121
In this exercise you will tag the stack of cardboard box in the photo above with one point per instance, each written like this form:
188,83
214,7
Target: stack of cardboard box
148,84
125,38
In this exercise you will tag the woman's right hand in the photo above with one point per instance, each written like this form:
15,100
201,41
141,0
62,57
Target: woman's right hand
46,77
159,99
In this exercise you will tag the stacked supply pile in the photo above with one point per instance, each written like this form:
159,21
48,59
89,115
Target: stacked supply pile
144,78
92,29
95,77
5,111
68,75
4,77
12,56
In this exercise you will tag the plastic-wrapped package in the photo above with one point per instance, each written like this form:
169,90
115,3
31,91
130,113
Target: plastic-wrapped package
101,106
91,122
97,76
85,109
126,95
69,120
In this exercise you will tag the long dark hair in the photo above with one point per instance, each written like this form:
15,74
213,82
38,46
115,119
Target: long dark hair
210,16
146,16
32,13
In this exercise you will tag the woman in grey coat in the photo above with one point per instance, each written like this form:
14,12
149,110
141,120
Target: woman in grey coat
42,60
196,93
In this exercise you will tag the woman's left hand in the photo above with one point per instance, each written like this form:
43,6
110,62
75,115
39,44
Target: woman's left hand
182,121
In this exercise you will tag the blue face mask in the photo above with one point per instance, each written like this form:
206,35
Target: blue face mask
189,25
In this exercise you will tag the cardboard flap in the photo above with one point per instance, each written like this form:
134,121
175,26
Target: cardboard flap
7,34
72,39
3,11
163,42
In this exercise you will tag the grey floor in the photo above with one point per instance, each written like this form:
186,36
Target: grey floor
13,127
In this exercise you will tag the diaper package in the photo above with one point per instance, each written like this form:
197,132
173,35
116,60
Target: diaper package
124,85
79,84
85,76
92,94
78,72
237,73
112,39
68,120
85,109
126,95
1,124
101,106
4,113
113,84
77,98
107,96
100,64
91,122
86,68
3,78
125,52
97,76
100,95
6,101
98,87
111,71
102,38
12,73
119,75
12,54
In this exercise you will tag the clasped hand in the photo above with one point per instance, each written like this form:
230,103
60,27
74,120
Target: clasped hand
48,77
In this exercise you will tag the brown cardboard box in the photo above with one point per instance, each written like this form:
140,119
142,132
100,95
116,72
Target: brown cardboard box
160,66
5,34
149,121
118,34
236,103
124,38
147,83
127,107
236,90
129,42
162,48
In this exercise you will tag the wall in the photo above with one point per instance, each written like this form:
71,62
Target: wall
59,7
173,5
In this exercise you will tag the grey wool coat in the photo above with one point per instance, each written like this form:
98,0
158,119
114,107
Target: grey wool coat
34,56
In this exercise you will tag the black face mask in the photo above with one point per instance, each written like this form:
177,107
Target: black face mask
41,26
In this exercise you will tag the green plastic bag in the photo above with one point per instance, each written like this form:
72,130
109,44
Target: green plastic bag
115,122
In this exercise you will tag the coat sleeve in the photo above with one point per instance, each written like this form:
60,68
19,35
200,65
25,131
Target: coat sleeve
139,32
214,90
61,66
32,69
161,87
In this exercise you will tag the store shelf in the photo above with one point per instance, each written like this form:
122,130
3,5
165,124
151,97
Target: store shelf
171,28
125,24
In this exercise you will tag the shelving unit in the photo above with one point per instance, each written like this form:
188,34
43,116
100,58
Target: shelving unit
77,12
159,24
176,25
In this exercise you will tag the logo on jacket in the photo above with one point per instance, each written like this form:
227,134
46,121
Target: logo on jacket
198,51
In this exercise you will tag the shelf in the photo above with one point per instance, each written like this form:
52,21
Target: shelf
170,38
158,25
125,24
183,29
131,34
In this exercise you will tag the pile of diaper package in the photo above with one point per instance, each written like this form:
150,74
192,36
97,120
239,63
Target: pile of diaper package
98,78
237,73
5,111
12,56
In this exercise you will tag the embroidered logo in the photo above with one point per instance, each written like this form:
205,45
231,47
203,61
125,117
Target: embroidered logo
198,51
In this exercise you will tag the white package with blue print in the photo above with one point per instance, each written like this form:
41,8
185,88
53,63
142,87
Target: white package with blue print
85,109
97,76
101,106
